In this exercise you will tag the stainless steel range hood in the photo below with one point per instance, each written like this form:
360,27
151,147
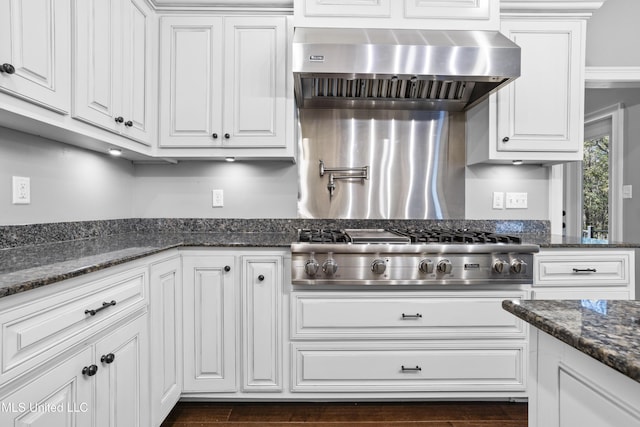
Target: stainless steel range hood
400,69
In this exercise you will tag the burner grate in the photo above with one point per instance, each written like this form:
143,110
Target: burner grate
456,236
322,236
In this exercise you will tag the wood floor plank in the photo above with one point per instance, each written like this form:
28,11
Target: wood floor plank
353,414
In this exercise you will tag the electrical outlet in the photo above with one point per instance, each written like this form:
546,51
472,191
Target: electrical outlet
218,198
498,200
21,190
516,201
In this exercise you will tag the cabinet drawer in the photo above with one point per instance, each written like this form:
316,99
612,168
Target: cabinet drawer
44,326
365,315
583,269
424,367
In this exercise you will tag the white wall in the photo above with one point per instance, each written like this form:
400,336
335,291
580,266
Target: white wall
251,190
483,180
613,33
67,183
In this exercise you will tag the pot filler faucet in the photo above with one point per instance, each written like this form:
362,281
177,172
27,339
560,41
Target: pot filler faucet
360,173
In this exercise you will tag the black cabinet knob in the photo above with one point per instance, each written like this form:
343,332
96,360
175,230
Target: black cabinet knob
227,268
119,119
128,123
261,277
7,68
108,358
505,139
227,136
90,370
214,136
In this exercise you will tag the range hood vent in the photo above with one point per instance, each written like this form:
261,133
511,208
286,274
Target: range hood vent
400,69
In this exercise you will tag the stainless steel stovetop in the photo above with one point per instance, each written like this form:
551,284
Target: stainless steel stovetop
410,257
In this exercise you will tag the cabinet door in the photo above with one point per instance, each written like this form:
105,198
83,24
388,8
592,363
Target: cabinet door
209,307
136,80
261,313
542,110
122,380
255,77
61,397
190,81
166,337
97,82
35,39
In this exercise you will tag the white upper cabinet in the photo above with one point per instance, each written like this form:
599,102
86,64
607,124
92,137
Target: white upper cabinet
35,51
223,85
422,14
538,118
112,65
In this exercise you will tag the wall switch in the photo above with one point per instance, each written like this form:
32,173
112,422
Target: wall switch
218,198
498,200
21,190
627,191
516,201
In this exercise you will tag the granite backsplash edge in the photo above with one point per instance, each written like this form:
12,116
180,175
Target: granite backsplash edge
13,236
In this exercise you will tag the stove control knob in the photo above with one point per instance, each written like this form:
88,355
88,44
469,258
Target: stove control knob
501,266
311,267
329,267
378,266
444,266
518,266
426,266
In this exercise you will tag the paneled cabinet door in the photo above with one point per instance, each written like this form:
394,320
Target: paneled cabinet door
61,397
166,337
261,315
209,328
35,51
542,110
255,75
202,55
425,14
112,66
122,379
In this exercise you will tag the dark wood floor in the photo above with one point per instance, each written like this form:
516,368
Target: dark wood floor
305,414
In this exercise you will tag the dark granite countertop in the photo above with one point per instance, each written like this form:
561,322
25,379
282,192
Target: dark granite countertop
607,330
30,267
40,254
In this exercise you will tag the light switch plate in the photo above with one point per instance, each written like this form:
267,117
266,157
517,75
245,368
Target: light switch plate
516,201
218,198
627,191
21,190
498,200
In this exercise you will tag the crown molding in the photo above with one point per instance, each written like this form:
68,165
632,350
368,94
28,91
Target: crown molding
611,77
574,7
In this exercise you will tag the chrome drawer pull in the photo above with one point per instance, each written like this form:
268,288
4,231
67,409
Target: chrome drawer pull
104,305
411,316
405,369
584,270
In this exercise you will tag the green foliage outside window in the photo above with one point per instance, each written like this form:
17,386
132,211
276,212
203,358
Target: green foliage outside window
595,187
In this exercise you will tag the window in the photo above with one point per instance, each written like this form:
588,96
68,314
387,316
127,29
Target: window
593,199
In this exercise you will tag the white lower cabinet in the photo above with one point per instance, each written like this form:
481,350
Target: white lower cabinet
453,344
165,316
122,377
232,327
565,273
210,311
76,353
261,323
59,397
573,389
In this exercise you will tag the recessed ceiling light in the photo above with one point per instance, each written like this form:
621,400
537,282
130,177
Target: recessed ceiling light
229,159
115,151
517,162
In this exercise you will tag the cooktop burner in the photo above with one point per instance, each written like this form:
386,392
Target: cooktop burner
456,236
415,236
